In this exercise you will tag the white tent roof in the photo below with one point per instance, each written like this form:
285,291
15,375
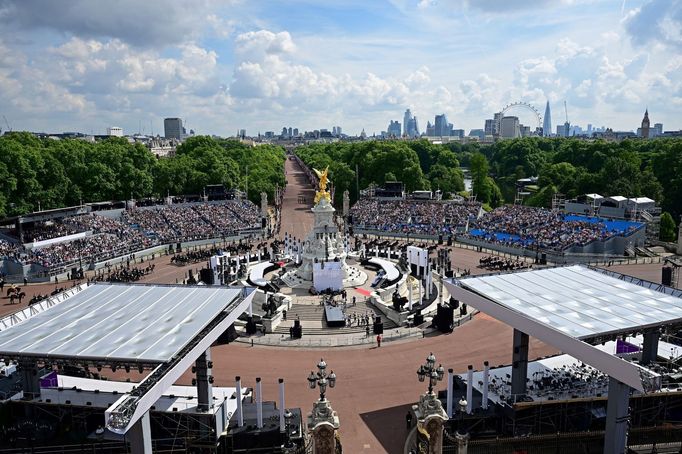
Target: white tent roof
639,200
617,198
119,322
594,196
578,301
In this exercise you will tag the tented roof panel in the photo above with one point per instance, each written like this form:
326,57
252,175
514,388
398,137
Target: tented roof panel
578,301
119,322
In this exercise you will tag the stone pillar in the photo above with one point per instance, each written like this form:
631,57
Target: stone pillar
519,364
140,436
470,388
449,394
679,238
649,347
462,442
430,418
323,423
617,416
486,378
204,387
346,203
264,204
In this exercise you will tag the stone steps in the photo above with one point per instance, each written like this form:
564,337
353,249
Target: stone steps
312,320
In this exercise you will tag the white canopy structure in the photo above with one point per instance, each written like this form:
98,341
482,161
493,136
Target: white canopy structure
578,301
167,328
567,306
112,322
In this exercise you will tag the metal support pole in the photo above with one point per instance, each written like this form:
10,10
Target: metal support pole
449,395
140,436
615,439
259,403
240,410
519,364
281,405
649,347
486,378
470,388
204,388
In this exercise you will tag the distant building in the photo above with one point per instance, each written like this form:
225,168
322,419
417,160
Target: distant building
489,127
441,127
645,125
480,133
458,133
547,122
657,130
430,130
406,121
172,128
241,133
115,131
394,129
510,127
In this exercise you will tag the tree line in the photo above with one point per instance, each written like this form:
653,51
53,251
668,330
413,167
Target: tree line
49,173
572,167
419,165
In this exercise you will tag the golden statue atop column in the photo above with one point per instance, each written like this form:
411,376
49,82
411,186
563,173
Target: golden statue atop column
322,193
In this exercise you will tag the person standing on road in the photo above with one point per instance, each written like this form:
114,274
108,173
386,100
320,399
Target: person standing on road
378,340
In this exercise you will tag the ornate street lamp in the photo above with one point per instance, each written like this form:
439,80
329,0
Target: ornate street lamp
322,379
430,371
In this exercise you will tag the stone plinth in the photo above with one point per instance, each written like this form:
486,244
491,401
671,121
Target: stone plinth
430,419
323,423
324,243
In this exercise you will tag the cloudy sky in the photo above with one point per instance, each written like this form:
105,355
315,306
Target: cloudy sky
83,65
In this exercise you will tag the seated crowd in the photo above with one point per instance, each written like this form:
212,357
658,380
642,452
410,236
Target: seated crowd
414,217
133,231
511,225
526,226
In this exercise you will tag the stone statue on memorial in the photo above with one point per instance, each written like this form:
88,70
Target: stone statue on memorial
322,193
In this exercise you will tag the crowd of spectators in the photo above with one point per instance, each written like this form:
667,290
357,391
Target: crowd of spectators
516,225
135,230
414,217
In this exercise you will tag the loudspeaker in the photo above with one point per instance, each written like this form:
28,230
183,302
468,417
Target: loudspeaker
444,320
378,326
297,330
543,259
418,318
440,239
667,275
450,240
250,326
206,276
263,223
178,248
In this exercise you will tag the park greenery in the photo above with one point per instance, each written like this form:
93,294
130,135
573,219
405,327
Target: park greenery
572,167
56,173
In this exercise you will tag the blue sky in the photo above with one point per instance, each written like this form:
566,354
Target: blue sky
224,65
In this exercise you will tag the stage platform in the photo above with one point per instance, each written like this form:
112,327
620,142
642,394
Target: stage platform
334,316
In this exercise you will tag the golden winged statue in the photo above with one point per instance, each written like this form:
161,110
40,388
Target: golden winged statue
322,193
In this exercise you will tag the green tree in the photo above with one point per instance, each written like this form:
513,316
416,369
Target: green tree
668,228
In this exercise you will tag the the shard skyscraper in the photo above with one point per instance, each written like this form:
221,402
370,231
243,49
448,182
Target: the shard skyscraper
547,123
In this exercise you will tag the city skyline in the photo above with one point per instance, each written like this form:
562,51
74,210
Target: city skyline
228,65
